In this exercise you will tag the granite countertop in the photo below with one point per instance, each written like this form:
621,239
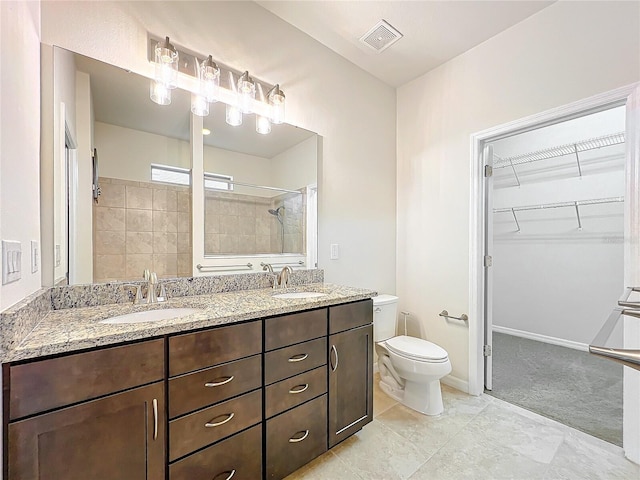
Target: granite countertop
68,330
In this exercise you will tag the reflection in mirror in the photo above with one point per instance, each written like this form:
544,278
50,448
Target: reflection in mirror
256,188
143,216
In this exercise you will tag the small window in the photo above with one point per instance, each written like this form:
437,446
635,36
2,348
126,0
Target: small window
168,174
216,181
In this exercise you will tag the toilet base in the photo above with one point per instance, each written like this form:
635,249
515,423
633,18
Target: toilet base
425,398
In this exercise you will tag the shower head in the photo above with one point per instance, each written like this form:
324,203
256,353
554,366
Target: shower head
276,212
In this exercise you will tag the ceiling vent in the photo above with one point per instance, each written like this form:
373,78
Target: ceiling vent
381,36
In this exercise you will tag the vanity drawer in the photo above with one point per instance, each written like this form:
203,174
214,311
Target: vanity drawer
295,328
43,385
296,437
241,454
289,361
194,351
203,427
350,315
293,391
192,391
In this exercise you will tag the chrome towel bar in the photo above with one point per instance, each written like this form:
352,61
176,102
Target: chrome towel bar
462,318
224,267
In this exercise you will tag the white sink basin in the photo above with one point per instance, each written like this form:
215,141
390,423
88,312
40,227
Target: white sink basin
299,295
151,315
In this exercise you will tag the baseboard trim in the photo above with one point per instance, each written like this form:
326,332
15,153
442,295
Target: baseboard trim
542,338
457,383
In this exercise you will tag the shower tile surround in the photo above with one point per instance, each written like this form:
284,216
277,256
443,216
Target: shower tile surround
237,223
20,320
141,225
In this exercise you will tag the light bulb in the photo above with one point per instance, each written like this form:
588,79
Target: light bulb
160,93
210,80
246,93
199,105
234,116
166,64
263,125
276,102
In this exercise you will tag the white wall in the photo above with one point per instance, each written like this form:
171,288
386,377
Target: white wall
547,60
297,167
19,146
550,278
242,167
235,34
128,154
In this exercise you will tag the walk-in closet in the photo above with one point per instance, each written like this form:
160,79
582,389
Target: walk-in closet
558,247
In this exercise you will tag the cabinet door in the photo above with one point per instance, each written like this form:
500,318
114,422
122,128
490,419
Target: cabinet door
118,437
350,382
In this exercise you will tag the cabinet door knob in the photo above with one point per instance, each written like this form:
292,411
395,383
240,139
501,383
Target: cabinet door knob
298,358
217,382
295,439
211,423
299,388
229,474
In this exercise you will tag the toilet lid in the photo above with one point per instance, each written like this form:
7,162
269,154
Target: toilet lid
416,348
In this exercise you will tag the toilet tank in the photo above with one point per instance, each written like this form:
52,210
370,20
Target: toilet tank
385,312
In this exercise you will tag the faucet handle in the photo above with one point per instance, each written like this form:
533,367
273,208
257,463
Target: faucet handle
138,296
163,293
146,274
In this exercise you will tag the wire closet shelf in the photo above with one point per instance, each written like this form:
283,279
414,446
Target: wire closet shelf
575,204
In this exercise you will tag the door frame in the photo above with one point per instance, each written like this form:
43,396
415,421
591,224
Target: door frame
600,102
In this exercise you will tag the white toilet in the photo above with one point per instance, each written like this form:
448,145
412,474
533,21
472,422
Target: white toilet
410,368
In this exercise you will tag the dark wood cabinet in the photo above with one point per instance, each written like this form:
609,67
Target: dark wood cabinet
120,436
350,382
253,400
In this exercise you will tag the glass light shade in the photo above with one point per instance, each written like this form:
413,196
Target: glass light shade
246,93
199,105
276,101
166,64
210,80
159,93
263,125
234,116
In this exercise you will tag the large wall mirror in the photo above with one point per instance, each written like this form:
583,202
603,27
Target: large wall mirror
256,196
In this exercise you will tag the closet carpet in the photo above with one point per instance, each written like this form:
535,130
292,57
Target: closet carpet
570,386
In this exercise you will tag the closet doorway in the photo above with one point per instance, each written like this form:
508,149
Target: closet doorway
557,246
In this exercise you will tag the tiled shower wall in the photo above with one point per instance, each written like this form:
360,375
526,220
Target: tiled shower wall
140,225
241,224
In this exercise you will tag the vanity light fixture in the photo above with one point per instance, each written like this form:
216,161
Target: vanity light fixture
246,93
238,93
263,124
166,72
276,98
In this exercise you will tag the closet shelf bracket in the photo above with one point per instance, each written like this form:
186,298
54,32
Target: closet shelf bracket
515,174
575,149
515,219
578,216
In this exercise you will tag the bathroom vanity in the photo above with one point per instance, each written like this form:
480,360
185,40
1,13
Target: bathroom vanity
249,398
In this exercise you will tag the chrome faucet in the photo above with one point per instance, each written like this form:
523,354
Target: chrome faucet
152,295
267,267
284,276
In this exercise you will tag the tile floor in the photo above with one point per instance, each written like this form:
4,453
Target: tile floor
475,438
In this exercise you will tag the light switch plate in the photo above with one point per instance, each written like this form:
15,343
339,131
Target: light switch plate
11,261
35,256
335,251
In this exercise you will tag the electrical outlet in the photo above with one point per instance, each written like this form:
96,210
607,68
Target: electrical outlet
11,261
35,256
335,251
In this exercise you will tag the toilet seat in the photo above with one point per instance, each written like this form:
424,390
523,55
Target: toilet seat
416,349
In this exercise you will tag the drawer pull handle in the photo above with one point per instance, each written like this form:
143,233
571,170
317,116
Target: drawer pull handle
299,388
228,477
299,357
155,418
211,423
217,384
334,367
299,439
